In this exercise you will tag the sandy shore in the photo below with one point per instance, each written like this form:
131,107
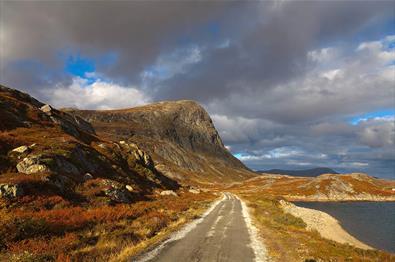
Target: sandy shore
326,225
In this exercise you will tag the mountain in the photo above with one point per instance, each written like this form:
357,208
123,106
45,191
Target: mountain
115,155
313,172
47,152
179,135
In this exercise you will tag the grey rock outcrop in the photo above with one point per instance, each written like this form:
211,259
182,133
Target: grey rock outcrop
118,195
10,191
69,123
46,164
140,156
32,164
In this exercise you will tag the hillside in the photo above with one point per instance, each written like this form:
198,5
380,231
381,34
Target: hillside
327,187
69,194
46,151
312,172
179,135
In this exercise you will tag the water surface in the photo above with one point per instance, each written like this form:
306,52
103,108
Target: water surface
371,222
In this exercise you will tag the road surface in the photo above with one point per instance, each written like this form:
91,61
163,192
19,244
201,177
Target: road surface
221,235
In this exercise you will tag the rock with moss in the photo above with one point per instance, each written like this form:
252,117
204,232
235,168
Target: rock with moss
46,164
33,164
119,195
21,149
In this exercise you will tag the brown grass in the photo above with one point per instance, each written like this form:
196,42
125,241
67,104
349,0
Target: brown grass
88,234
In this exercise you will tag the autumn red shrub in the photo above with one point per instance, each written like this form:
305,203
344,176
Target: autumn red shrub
41,246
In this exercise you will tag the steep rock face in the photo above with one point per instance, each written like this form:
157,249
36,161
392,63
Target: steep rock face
177,132
183,122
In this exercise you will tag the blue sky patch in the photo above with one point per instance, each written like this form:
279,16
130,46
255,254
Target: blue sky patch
79,66
382,113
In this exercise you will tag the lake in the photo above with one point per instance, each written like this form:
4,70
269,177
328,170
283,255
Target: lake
371,222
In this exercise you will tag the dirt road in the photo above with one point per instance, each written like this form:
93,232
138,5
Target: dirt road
225,233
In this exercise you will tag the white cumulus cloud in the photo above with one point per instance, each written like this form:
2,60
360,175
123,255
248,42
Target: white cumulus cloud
97,95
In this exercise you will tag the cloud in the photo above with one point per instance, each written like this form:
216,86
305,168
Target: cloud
96,95
284,75
379,132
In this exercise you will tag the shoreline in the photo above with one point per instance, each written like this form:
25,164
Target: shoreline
326,225
336,200
328,199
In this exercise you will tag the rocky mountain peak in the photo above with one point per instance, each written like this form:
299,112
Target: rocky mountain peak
180,132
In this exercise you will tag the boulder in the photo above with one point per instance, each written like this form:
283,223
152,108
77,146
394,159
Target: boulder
10,191
47,109
168,193
32,164
21,149
46,164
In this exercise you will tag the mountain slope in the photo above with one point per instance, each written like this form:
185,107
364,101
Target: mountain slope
312,172
47,152
179,135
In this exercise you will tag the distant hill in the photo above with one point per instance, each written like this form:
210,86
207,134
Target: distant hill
312,172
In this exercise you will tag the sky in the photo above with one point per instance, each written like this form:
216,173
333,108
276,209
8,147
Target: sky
288,84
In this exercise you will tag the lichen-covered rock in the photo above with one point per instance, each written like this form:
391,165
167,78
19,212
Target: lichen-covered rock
139,155
21,149
168,193
10,191
46,164
118,195
32,164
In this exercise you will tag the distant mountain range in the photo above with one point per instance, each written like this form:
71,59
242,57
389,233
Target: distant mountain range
312,172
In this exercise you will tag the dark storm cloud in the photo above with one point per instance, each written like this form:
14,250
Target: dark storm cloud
137,31
272,46
281,79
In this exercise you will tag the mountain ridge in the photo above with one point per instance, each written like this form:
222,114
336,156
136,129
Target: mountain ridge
178,134
311,172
